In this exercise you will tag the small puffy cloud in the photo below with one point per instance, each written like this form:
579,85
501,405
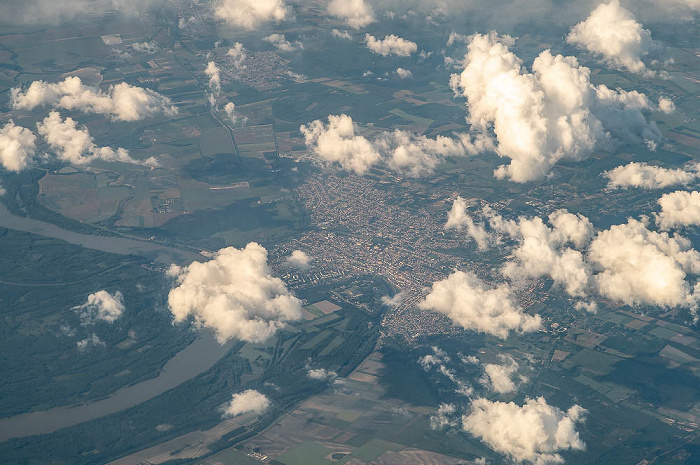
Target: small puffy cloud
338,143
341,35
357,13
145,47
679,208
499,377
404,73
233,294
613,32
639,266
395,301
282,44
446,417
230,109
390,45
459,219
250,401
321,374
102,306
646,176
238,55
551,114
299,260
75,145
590,307
17,147
666,105
122,102
251,14
535,432
214,82
94,340
470,303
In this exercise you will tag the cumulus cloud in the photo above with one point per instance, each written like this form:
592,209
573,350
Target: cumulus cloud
93,340
395,301
75,145
249,401
470,303
338,142
551,114
357,13
613,32
646,176
390,45
238,55
121,102
446,417
251,14
282,44
101,306
299,260
459,219
233,294
499,377
535,432
666,105
679,208
404,73
214,82
341,35
321,374
17,147
145,47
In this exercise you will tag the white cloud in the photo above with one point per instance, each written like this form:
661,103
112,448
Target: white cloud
250,401
415,155
282,44
233,294
390,45
102,306
238,55
404,73
214,82
122,102
535,432
321,374
646,176
499,377
590,307
93,340
613,32
75,145
145,47
357,13
341,35
666,105
446,417
230,109
679,208
457,218
338,143
56,11
299,259
17,147
251,14
551,114
395,301
470,303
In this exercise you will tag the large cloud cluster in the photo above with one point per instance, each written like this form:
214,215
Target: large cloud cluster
613,32
233,294
551,114
470,303
122,102
535,432
17,147
628,263
250,401
102,306
75,145
338,142
390,45
357,13
647,176
250,14
679,208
